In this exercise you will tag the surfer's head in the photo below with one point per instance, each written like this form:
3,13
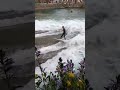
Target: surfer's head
62,26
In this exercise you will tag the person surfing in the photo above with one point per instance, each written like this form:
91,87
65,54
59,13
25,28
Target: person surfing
64,32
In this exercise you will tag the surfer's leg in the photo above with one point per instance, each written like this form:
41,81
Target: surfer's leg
62,35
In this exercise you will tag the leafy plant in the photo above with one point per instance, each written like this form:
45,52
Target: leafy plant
5,67
88,87
64,78
115,84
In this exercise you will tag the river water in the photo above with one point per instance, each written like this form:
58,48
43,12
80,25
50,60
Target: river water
49,22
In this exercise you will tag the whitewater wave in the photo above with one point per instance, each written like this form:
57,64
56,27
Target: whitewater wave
74,44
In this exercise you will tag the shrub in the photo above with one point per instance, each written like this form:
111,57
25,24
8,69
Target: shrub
115,84
64,78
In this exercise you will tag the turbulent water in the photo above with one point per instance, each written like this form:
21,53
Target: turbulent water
50,22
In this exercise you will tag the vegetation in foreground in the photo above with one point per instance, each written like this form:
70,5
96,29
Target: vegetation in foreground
64,78
6,71
114,85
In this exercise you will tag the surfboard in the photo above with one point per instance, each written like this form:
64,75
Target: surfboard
62,40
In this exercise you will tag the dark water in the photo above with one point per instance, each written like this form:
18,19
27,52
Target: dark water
58,14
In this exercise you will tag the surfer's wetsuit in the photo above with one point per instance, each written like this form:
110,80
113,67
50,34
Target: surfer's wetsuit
64,33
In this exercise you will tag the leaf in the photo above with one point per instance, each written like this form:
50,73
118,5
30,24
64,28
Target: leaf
48,77
38,83
9,62
45,74
8,59
8,68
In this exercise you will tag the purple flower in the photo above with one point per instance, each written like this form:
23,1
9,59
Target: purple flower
37,53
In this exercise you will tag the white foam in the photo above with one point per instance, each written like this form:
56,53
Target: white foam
75,43
76,54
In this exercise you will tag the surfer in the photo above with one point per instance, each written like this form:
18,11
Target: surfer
64,32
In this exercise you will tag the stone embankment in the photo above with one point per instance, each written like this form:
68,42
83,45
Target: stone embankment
39,6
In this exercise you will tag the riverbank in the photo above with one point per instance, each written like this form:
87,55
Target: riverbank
42,6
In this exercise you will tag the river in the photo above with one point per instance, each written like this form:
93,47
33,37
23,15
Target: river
48,25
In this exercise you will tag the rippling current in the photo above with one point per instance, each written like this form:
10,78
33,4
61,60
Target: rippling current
50,22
